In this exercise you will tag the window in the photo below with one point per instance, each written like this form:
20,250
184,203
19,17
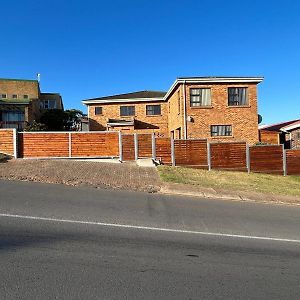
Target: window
200,97
298,135
48,104
237,96
127,110
221,130
25,97
14,96
3,96
98,110
152,110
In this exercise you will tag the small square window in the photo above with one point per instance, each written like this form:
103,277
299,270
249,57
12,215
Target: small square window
152,110
237,96
3,96
200,97
221,130
14,96
98,110
127,111
25,97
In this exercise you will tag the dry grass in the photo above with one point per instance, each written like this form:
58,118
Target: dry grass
234,181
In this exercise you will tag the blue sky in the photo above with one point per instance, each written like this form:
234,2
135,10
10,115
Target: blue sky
86,49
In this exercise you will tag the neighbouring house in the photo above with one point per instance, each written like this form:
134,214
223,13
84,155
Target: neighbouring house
216,108
287,133
22,102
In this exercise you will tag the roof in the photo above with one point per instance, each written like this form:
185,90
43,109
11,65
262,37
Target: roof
163,96
50,94
129,97
280,126
14,79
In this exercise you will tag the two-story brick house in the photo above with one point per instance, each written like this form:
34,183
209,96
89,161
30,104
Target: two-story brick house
216,108
21,102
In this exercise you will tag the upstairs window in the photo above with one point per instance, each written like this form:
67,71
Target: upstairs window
127,111
25,97
237,96
48,104
152,110
14,96
200,97
98,110
3,96
221,130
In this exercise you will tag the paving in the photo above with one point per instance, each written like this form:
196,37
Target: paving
84,172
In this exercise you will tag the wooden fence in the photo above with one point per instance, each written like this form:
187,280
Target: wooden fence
267,159
191,153
8,142
229,156
68,144
292,162
197,153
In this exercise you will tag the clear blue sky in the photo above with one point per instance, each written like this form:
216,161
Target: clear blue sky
88,48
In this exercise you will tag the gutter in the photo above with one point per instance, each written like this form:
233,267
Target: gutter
184,112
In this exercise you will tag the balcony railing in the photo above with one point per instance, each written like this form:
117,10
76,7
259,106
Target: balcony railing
19,125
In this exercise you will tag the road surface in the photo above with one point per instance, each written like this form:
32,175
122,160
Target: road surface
59,242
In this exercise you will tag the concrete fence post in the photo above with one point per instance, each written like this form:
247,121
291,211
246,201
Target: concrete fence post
248,157
208,156
15,143
120,147
136,146
284,165
70,144
173,152
153,146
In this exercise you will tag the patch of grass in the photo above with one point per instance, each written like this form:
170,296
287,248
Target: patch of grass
234,181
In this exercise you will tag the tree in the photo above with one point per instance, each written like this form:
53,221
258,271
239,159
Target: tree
73,117
59,120
54,119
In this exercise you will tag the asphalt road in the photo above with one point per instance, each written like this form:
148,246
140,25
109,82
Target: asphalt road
59,242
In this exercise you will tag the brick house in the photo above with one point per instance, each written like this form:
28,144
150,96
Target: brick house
22,102
216,108
287,133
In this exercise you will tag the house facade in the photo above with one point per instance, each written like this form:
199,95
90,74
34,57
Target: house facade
21,102
216,108
287,133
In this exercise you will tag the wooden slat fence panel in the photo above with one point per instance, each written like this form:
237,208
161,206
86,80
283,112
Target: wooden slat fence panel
34,145
128,147
266,159
144,145
231,156
293,162
191,153
163,150
95,144
7,141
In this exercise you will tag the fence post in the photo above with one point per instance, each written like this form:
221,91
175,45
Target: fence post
15,143
208,156
284,161
153,146
173,152
120,147
248,157
136,147
70,144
